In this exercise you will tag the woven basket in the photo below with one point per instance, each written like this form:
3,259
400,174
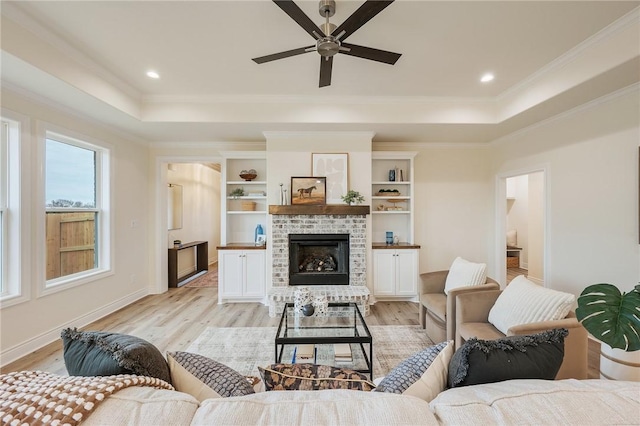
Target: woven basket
248,206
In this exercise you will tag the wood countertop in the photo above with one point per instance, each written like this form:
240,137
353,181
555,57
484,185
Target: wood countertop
400,246
241,246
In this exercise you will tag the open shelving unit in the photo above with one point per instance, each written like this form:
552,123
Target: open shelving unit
392,212
239,221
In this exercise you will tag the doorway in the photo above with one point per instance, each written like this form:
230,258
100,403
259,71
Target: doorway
199,180
522,225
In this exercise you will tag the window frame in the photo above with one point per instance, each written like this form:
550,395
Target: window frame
16,229
104,227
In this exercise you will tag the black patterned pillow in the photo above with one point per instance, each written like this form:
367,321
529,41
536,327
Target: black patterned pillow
424,374
535,356
312,377
205,378
101,353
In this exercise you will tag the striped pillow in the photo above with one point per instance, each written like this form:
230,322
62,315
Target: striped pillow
463,273
524,302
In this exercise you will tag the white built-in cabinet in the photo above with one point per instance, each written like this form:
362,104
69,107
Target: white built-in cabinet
395,272
242,265
395,268
241,275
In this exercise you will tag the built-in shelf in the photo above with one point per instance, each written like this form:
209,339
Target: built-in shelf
246,182
319,210
247,197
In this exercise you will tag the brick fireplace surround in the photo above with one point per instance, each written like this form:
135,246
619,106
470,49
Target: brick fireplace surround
286,220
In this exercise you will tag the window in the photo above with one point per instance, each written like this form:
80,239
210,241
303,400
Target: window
76,200
4,179
13,228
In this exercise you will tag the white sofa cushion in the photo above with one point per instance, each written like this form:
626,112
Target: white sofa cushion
144,406
324,407
540,402
463,273
524,302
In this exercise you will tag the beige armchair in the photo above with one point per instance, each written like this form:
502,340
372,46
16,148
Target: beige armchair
472,320
437,310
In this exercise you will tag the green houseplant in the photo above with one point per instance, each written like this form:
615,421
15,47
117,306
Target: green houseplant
611,316
352,197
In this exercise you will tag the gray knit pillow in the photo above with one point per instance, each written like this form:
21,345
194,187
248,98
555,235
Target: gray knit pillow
198,375
410,370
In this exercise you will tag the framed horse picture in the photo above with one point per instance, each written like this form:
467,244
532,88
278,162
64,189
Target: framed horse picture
308,191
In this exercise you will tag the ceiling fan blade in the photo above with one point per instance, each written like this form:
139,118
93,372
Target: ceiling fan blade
326,64
370,53
295,13
282,55
368,10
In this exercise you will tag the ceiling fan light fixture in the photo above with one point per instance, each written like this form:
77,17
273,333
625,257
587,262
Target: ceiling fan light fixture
328,46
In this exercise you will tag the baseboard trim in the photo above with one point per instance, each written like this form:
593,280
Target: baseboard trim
12,354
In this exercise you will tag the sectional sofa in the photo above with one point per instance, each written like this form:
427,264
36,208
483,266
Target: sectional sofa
528,401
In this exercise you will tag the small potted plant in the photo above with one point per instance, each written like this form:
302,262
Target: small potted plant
612,316
352,197
238,192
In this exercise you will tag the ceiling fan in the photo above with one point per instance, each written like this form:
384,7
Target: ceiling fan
330,39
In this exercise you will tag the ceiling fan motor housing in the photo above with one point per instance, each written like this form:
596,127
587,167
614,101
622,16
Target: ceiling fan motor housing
327,8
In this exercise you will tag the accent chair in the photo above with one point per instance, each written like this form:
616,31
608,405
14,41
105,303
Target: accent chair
437,309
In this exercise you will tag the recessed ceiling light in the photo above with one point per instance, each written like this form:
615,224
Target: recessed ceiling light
487,77
153,74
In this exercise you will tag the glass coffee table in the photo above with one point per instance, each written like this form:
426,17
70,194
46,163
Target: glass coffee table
343,323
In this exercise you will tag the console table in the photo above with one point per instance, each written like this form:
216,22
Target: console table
202,262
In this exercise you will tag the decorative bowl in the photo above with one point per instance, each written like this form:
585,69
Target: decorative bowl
248,175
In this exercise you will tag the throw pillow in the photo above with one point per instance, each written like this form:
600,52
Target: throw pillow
536,356
99,353
463,273
524,302
423,375
312,377
205,378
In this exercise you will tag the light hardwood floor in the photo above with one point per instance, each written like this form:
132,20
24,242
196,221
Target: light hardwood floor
173,320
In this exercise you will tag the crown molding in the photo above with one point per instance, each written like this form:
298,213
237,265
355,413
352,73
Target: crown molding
79,115
220,146
607,32
565,114
11,10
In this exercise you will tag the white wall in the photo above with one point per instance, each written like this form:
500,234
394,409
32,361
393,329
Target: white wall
592,212
27,326
200,213
454,198
535,231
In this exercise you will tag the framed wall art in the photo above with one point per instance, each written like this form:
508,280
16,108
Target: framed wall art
308,191
335,167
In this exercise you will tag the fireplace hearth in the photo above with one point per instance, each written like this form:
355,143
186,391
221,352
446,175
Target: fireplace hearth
318,259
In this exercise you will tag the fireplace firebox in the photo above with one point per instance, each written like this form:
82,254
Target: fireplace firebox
318,259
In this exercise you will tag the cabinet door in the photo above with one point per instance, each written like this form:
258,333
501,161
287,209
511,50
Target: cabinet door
230,275
384,272
406,263
254,283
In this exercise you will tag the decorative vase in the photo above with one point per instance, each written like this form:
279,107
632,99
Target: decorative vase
307,310
321,305
301,297
616,364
